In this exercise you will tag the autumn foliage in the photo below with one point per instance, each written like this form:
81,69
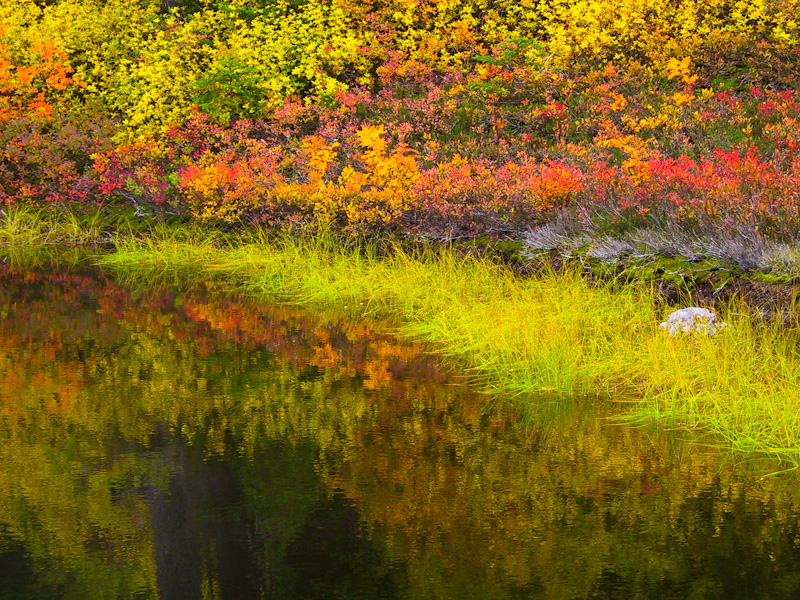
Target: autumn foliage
420,118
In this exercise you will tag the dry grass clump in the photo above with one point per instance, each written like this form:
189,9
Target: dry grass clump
781,259
742,247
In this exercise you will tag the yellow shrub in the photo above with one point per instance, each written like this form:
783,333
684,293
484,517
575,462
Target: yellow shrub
380,195
101,37
150,68
606,29
375,197
319,155
155,89
17,17
298,50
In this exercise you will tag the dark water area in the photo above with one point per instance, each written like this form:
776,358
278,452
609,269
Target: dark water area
189,445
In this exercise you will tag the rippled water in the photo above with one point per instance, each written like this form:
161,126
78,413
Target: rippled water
182,446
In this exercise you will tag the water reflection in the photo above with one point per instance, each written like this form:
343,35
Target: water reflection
169,445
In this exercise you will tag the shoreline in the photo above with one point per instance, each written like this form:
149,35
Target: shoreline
679,280
555,333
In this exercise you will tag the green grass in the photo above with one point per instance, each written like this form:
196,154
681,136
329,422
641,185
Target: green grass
25,226
550,335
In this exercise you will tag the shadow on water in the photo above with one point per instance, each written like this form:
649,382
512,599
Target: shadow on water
181,445
204,530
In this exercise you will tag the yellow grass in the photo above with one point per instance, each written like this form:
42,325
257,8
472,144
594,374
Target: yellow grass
552,334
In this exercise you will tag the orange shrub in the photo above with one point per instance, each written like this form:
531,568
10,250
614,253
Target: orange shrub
35,87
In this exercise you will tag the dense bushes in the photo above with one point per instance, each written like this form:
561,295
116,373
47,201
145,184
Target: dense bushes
457,118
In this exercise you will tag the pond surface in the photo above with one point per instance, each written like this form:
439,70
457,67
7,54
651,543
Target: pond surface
186,445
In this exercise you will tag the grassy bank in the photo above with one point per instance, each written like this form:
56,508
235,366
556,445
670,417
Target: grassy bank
549,335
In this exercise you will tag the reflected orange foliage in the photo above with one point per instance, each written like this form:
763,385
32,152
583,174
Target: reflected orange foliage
437,479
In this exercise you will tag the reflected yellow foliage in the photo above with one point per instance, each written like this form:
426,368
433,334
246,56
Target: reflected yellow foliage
92,376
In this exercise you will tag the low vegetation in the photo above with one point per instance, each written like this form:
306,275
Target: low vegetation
549,336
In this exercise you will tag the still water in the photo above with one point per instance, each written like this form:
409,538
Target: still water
190,445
